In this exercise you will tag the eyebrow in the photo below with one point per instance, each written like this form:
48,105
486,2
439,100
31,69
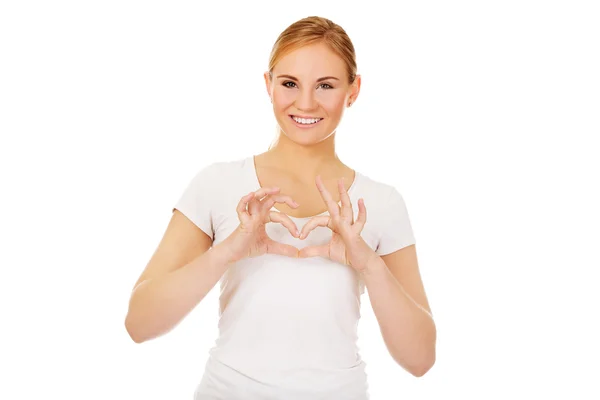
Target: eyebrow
318,80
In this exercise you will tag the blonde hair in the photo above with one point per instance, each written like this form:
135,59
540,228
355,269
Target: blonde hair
311,30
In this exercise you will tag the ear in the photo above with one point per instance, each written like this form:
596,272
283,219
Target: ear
267,77
354,90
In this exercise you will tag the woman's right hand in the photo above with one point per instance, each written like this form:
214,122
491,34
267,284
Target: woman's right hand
250,238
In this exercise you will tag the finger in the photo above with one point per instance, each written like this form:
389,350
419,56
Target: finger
332,206
314,251
274,247
254,206
262,192
242,204
271,199
286,221
313,223
361,219
345,199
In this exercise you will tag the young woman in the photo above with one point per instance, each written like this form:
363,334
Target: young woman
287,235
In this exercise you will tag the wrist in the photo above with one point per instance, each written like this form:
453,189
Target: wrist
364,256
373,266
222,255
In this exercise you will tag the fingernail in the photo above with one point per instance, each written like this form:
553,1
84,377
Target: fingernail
299,235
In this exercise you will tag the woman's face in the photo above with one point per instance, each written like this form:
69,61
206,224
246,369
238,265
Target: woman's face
310,91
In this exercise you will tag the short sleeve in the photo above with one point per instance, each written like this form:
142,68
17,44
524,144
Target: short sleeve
396,230
196,201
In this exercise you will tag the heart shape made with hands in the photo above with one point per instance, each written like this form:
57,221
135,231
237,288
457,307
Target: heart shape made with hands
346,245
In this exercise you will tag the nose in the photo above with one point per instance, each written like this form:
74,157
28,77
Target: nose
305,100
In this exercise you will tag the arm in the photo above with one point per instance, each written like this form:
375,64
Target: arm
393,280
400,305
183,269
178,276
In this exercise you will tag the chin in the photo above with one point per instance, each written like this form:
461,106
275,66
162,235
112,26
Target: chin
305,138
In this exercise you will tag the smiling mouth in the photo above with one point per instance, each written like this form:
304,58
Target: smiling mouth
305,121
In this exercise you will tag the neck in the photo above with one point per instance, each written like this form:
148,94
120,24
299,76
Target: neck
306,162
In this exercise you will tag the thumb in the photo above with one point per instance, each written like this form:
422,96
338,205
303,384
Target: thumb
281,249
315,251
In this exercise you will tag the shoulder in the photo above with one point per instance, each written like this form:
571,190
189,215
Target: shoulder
375,191
216,179
383,200
387,215
217,171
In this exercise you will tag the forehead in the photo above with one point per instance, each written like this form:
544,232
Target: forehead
311,62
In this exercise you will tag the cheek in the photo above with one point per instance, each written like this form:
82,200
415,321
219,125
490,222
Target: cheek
332,101
283,97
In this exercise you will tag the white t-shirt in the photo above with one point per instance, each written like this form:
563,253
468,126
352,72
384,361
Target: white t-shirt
287,326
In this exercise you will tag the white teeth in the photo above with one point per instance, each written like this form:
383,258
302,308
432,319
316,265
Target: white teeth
306,121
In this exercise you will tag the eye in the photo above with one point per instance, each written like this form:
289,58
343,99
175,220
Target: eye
326,86
288,83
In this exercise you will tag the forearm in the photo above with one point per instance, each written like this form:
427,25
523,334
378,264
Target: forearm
158,305
407,328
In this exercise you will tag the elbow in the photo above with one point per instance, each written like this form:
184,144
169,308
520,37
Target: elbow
417,364
419,367
140,330
134,323
425,364
422,369
133,331
418,361
428,355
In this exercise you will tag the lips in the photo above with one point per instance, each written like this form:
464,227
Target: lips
304,116
304,121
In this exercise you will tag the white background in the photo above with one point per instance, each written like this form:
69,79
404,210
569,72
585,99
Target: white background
483,114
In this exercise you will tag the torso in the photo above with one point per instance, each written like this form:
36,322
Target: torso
286,325
304,193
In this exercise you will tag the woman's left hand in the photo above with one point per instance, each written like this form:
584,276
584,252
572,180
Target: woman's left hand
346,246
